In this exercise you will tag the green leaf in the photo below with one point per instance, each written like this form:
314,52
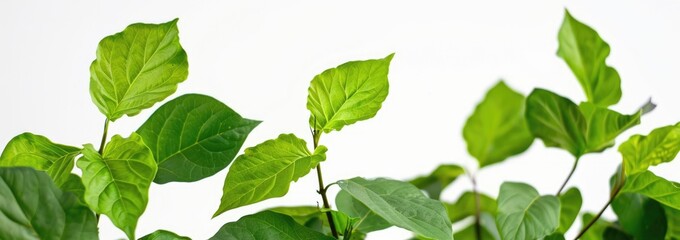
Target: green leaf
163,235
497,128
640,152
74,184
596,231
557,121
605,125
193,137
438,180
585,53
117,183
349,93
524,214
673,219
137,68
488,227
369,221
34,208
555,236
654,187
465,206
38,152
402,205
570,205
640,216
267,225
266,170
614,232
301,214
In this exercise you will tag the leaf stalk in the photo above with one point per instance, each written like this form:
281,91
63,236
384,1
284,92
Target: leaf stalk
316,134
573,169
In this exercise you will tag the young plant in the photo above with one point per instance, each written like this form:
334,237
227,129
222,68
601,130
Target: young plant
195,136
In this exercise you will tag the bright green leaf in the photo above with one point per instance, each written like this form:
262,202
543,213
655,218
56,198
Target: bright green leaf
465,206
349,93
605,125
654,187
557,121
34,208
267,225
640,152
640,216
438,180
369,221
38,152
301,214
497,128
402,205
137,68
524,214
266,171
570,205
117,183
193,137
163,235
488,228
585,53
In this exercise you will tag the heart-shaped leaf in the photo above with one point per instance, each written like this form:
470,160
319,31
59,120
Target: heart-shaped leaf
117,183
465,206
585,53
266,171
497,128
193,137
402,205
524,214
349,93
137,68
570,205
267,225
38,152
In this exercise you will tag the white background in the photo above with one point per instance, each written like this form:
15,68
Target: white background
258,58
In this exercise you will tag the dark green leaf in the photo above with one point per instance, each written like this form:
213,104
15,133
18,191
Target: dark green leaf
74,184
465,206
266,171
605,125
438,180
163,235
640,152
524,214
654,187
570,205
402,205
497,128
555,236
369,221
38,152
193,137
640,216
267,225
349,93
137,68
117,183
613,232
34,208
585,53
557,121
673,219
596,231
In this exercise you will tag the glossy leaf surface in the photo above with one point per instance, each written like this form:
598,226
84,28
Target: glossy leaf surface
38,152
267,225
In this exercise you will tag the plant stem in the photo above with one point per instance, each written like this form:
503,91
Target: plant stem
613,195
101,147
322,190
478,225
573,169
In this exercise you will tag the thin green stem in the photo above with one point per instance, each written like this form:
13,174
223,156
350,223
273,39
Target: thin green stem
101,148
573,169
322,190
614,193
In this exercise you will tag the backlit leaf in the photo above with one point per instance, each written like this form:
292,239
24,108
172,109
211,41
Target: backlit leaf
654,187
640,152
38,152
605,125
